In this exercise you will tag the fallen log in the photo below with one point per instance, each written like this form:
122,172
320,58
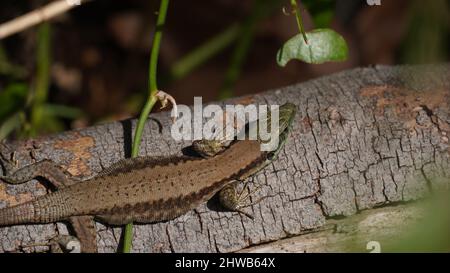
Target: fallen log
362,138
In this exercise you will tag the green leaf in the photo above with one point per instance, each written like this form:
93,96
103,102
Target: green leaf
324,45
12,99
321,11
9,69
61,111
323,19
10,124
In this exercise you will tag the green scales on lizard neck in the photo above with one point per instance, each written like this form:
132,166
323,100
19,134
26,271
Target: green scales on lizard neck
142,190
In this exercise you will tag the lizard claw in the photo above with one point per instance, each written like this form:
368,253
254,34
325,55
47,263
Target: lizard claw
59,244
245,213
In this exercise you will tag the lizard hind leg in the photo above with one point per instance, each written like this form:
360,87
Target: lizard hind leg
46,169
83,226
84,229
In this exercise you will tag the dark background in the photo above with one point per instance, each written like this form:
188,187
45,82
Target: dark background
100,50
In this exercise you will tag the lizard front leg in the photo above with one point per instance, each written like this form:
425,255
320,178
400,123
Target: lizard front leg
83,226
229,197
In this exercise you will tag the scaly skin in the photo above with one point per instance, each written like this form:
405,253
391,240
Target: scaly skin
143,190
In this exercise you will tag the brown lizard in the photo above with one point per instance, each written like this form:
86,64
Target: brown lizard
142,190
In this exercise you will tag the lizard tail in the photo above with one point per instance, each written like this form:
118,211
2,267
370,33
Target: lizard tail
19,214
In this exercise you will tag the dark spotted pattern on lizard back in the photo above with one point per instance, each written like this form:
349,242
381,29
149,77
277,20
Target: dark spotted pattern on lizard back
160,210
151,193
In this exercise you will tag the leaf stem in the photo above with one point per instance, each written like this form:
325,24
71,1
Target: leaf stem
299,19
42,79
151,100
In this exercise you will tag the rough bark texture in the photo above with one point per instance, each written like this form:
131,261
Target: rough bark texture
362,138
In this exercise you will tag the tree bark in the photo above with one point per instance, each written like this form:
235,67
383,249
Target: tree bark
362,138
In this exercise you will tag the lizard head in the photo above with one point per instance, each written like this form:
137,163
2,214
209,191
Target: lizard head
287,113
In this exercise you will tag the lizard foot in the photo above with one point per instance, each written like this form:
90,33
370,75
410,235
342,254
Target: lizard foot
60,244
7,160
234,201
